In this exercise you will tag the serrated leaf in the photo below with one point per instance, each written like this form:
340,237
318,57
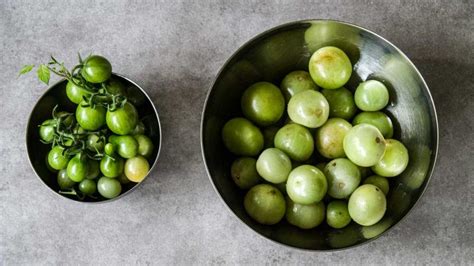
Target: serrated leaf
25,69
43,73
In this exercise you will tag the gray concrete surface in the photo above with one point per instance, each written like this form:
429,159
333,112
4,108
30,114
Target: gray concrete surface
174,49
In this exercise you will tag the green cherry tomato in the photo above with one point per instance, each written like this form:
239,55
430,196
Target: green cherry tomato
372,231
126,146
109,187
306,185
64,181
46,130
115,86
241,137
95,143
304,216
295,82
139,129
96,69
136,169
123,120
77,168
330,67
244,172
75,93
111,166
93,169
378,181
343,178
145,145
296,141
90,118
367,205
308,108
341,103
364,145
263,103
109,149
88,186
394,161
371,95
56,159
265,204
330,138
337,214
273,165
269,136
376,119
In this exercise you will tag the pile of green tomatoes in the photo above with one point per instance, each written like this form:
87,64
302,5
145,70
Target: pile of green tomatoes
314,151
101,146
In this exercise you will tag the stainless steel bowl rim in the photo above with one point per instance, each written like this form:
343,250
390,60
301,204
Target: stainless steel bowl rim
435,119
121,195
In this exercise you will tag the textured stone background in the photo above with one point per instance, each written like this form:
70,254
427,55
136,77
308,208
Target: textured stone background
174,49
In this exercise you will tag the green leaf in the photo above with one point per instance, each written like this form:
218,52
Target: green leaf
25,69
43,73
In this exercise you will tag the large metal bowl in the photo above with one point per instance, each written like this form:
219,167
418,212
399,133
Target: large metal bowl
56,95
269,57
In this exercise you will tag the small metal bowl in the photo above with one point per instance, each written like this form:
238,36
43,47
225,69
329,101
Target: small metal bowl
56,95
278,51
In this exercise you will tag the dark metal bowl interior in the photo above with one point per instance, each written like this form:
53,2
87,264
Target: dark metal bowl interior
56,95
273,54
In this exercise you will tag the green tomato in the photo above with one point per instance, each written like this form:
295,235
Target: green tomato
376,119
115,87
88,186
139,129
308,108
304,216
96,69
269,136
77,168
330,67
46,130
296,81
95,143
341,103
306,185
244,172
90,118
109,187
265,204
378,181
123,179
145,145
241,137
109,149
64,181
372,231
273,165
56,159
343,178
394,161
263,103
76,93
136,169
296,141
367,205
371,95
364,145
111,166
330,138
337,214
93,169
126,146
123,120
